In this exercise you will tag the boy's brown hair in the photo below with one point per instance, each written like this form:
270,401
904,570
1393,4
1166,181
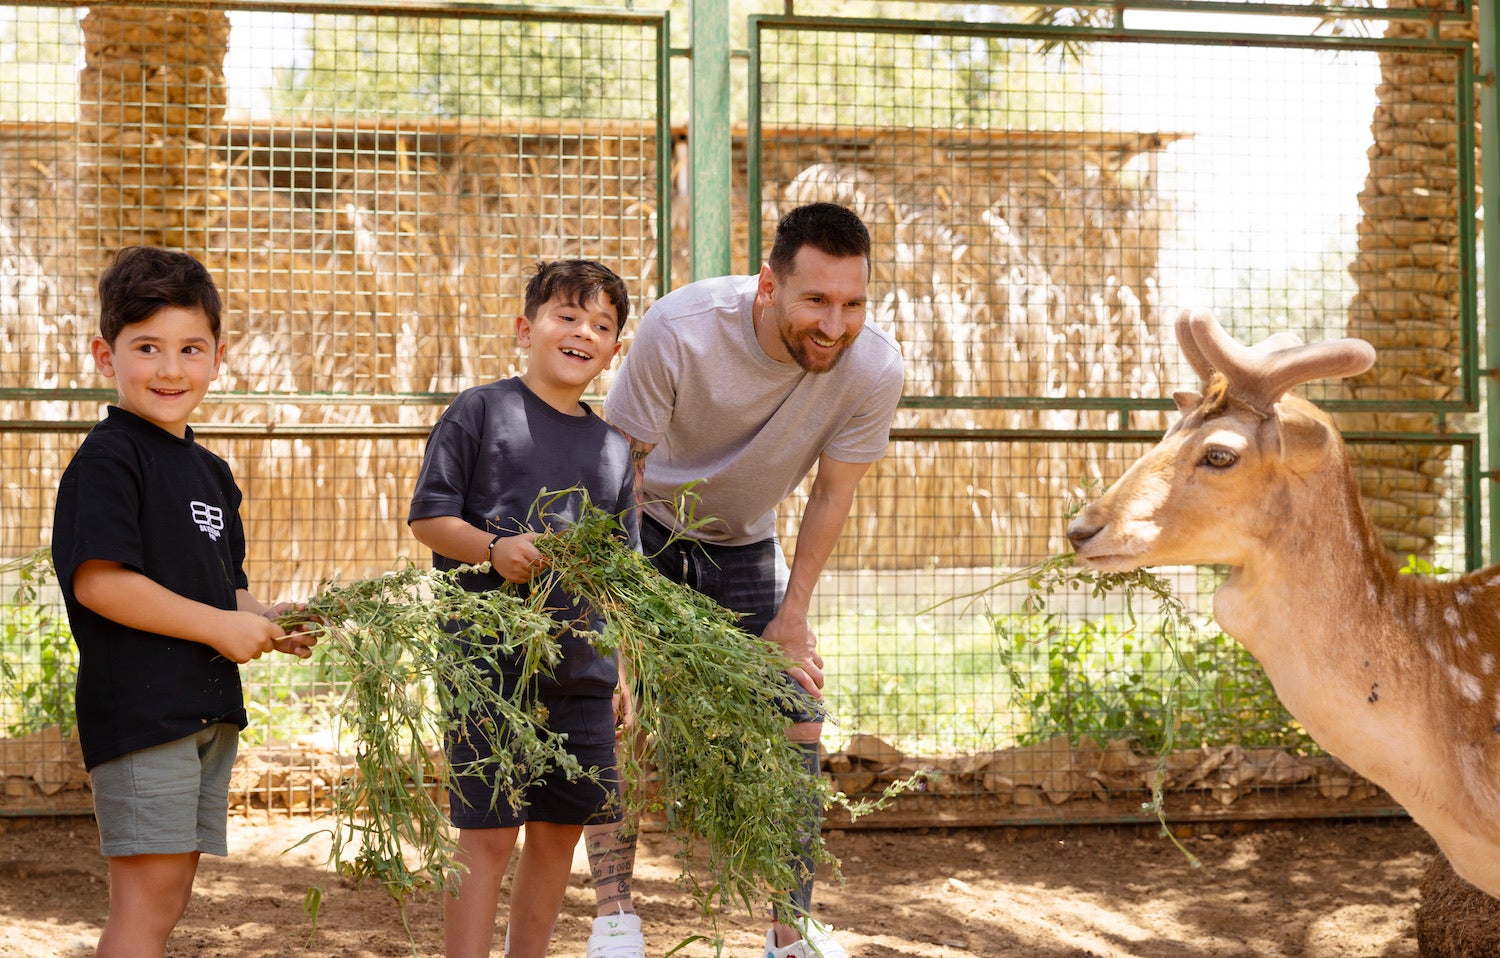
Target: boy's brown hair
143,279
577,281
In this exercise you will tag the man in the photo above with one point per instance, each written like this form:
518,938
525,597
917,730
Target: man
739,385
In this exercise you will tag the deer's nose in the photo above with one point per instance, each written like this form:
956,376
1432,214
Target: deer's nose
1079,534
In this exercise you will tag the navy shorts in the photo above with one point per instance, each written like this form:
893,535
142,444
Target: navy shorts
749,580
589,723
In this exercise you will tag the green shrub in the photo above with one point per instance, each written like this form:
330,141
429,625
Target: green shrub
38,669
38,661
1144,682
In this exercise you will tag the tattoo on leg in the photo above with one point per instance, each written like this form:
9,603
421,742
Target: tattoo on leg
612,860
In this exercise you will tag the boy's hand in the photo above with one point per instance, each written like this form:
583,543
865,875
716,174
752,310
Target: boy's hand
299,641
517,558
246,636
624,709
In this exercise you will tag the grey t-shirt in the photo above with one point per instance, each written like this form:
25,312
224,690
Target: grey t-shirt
746,427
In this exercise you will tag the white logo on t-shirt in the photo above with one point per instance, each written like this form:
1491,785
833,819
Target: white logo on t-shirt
209,518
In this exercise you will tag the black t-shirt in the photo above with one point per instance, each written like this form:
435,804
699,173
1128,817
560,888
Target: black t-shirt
494,449
169,509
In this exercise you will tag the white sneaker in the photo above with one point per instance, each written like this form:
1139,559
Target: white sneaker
817,942
617,936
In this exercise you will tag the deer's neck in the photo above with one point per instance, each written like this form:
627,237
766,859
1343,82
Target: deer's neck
1399,676
1316,603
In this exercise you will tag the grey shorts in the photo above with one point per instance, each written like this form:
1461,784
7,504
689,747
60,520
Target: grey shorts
168,799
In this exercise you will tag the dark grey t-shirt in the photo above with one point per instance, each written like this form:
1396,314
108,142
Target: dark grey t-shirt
494,449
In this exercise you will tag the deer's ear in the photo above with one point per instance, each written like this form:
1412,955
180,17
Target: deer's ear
1305,437
1187,401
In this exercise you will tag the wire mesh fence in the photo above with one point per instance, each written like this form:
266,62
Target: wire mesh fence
1046,201
1041,201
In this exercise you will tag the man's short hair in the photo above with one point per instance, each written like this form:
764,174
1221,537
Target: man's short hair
144,279
577,281
826,227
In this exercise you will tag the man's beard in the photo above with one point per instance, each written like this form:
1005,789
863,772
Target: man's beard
800,353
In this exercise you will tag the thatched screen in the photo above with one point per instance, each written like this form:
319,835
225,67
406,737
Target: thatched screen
388,260
355,264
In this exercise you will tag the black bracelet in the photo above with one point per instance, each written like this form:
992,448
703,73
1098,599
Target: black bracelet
490,549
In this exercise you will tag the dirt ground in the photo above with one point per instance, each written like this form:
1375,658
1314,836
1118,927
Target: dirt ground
1316,890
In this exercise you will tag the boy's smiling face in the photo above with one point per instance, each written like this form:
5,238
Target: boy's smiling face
567,345
162,367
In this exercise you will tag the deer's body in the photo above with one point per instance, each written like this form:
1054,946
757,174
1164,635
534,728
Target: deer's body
1399,676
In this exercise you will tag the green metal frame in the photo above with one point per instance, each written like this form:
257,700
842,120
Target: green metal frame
709,143
1489,124
1468,398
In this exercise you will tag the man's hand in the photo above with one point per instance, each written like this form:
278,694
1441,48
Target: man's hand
798,643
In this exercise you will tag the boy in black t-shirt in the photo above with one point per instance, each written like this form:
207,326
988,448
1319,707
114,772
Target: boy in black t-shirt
488,458
149,554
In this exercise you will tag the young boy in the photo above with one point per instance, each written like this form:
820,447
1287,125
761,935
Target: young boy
150,553
489,456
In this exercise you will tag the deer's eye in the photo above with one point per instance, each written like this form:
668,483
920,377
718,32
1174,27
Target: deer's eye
1217,457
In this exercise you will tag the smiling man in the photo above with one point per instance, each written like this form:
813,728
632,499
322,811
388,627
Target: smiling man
738,386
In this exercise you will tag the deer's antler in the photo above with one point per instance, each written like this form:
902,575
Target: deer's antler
1259,376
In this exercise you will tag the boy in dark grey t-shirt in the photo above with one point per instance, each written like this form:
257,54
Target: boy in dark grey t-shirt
490,455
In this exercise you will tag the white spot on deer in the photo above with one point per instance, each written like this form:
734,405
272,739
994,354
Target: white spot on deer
1434,649
1487,663
1451,616
1463,597
1468,685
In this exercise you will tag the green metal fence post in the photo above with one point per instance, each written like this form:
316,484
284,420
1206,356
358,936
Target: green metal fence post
710,153
1489,138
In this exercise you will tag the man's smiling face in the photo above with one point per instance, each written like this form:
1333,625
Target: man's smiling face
817,308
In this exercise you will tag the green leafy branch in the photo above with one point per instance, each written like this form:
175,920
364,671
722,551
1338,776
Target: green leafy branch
735,792
402,650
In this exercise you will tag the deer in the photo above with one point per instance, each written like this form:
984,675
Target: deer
1397,675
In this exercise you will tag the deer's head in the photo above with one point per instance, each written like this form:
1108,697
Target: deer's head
1217,484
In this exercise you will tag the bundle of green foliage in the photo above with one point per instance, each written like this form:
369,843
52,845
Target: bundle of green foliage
405,682
728,781
712,757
